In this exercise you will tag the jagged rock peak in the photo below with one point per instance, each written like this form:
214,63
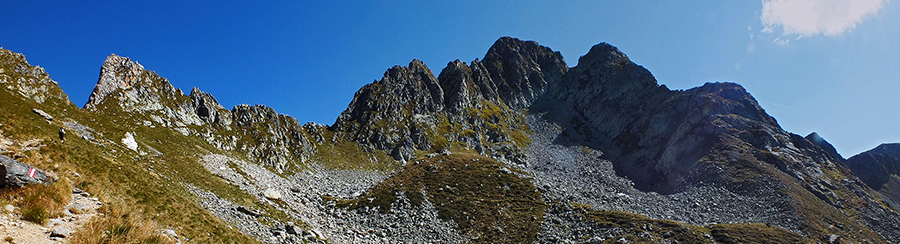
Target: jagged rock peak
736,100
604,60
464,85
825,145
522,69
116,73
206,107
30,81
404,109
604,53
412,89
413,79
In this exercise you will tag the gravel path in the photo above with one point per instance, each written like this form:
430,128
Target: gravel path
56,230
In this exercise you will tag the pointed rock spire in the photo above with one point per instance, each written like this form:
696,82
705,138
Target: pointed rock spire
116,73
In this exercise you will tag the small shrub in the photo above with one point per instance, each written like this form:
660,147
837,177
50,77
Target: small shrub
119,225
36,213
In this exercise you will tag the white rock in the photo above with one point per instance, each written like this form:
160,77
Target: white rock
61,232
9,208
129,141
42,114
271,194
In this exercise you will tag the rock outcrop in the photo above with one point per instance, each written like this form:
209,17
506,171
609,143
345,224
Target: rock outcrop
476,106
381,114
17,174
29,81
126,88
208,109
522,70
275,139
825,145
116,73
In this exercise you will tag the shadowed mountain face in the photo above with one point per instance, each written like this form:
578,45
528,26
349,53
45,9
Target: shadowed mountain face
876,166
825,145
558,152
880,169
655,137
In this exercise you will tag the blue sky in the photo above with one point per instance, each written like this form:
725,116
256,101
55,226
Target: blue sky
830,66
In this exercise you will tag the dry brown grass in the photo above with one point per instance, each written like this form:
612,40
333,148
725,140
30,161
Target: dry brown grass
116,224
39,202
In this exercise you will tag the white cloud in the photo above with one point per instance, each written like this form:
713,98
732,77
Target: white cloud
803,18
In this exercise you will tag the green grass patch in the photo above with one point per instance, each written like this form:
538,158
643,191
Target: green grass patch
754,233
642,229
344,154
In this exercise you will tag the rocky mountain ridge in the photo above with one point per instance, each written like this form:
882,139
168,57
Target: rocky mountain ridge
411,109
600,136
879,168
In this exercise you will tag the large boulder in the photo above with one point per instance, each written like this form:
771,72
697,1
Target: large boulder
18,174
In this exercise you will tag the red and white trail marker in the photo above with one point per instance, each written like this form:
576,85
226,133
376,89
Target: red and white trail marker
31,173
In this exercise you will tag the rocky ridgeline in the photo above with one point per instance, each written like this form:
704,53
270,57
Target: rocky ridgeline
825,145
275,139
29,81
668,142
474,106
126,87
875,167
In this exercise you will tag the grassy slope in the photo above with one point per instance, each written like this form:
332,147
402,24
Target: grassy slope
488,203
151,185
147,186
